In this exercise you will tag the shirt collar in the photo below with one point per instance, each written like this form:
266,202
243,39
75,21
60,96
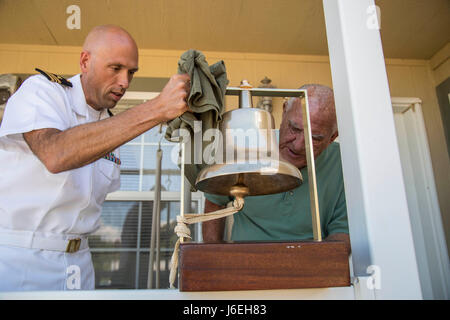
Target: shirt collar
79,104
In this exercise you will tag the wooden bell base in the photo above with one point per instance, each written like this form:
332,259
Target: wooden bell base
263,265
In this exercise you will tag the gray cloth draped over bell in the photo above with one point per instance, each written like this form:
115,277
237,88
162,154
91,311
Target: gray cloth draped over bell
206,100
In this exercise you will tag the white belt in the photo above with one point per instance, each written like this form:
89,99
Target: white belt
34,240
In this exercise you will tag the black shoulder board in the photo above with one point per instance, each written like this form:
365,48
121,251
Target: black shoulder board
55,78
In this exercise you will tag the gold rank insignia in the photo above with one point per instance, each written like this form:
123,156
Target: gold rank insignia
55,78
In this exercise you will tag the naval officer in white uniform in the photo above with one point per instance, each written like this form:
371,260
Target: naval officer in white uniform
59,158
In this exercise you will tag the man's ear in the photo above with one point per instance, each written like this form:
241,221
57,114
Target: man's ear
84,61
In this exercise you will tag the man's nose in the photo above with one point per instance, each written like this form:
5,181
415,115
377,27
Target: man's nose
124,80
299,142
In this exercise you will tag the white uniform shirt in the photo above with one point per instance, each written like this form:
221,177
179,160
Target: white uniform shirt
32,198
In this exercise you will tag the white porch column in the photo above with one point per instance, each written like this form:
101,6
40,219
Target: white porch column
378,215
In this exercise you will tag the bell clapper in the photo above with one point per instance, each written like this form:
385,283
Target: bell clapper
239,191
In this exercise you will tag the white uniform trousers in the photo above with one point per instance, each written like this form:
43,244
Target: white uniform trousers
24,269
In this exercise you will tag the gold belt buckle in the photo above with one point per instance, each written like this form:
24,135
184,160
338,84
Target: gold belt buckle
73,245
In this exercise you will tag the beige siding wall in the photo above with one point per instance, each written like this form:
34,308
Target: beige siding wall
407,78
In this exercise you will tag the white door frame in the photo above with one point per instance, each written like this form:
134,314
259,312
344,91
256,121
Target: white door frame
424,211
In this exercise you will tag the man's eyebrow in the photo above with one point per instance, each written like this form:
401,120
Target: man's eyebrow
319,136
122,66
294,125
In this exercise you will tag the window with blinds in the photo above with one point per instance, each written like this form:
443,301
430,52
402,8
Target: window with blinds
120,248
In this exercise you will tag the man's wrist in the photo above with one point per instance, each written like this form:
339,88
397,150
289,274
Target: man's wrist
155,109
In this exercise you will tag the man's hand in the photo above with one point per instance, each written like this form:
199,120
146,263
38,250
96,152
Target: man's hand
172,101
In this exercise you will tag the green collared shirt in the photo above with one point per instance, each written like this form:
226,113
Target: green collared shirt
287,215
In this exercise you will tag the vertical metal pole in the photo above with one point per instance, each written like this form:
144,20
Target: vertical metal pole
156,224
151,260
317,232
187,196
138,255
183,155
168,232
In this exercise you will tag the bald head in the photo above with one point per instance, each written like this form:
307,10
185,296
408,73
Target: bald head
322,119
108,62
320,103
103,36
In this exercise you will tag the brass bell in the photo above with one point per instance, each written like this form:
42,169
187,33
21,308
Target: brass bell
251,164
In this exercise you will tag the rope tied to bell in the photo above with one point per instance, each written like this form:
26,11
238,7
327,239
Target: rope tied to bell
183,231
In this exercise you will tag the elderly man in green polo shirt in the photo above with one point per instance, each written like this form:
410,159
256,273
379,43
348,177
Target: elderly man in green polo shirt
287,215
